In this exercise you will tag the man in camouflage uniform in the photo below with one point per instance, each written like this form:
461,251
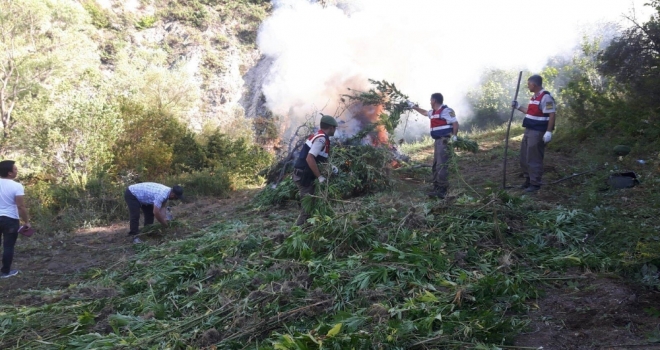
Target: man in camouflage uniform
444,128
316,151
539,123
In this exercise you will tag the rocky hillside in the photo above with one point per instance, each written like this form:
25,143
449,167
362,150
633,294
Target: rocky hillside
207,47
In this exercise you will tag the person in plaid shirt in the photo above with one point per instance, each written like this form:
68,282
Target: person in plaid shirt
150,197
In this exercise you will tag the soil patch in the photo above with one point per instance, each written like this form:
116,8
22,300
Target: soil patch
485,168
598,313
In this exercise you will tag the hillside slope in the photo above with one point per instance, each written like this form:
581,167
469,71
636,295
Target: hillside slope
203,47
484,268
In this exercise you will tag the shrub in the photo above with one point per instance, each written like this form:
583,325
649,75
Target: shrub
100,17
81,137
490,102
63,208
188,155
214,61
190,12
147,144
146,22
205,182
241,157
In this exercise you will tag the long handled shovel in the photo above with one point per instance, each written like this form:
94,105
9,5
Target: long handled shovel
508,128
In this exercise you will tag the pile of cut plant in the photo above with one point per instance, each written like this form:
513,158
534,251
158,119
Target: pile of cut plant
376,272
362,169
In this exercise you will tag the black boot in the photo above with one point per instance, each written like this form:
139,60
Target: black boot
438,192
525,184
532,188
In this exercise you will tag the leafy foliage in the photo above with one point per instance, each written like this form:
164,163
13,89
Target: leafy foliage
465,144
379,273
80,139
191,12
41,40
100,17
386,95
633,57
363,169
491,100
146,22
147,144
276,195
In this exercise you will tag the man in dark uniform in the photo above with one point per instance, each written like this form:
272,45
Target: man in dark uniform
444,127
316,150
539,123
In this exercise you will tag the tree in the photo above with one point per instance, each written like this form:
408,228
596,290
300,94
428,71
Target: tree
491,101
145,76
42,42
81,138
634,57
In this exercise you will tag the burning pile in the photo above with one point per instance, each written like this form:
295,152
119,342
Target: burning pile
368,117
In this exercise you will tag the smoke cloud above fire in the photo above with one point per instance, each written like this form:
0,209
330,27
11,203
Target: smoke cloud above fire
319,51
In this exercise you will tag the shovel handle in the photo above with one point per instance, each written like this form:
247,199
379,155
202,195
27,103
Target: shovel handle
508,129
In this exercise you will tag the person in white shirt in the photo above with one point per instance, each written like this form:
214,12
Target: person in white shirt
149,197
12,208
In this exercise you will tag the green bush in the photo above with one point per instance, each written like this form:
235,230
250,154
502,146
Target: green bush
241,157
100,17
633,57
147,145
190,12
206,182
152,145
214,61
188,154
594,105
490,102
146,22
64,208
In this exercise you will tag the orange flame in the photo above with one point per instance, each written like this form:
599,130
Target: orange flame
371,114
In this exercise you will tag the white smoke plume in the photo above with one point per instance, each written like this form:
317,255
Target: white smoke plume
422,46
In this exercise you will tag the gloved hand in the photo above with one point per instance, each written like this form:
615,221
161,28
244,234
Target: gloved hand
515,104
321,179
547,137
335,170
454,138
410,104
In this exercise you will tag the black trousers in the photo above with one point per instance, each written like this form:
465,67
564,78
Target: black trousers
9,233
134,207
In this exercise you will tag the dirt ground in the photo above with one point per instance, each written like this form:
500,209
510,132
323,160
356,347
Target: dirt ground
57,261
594,313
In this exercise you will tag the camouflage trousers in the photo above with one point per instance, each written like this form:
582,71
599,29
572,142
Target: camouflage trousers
441,157
304,190
532,151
